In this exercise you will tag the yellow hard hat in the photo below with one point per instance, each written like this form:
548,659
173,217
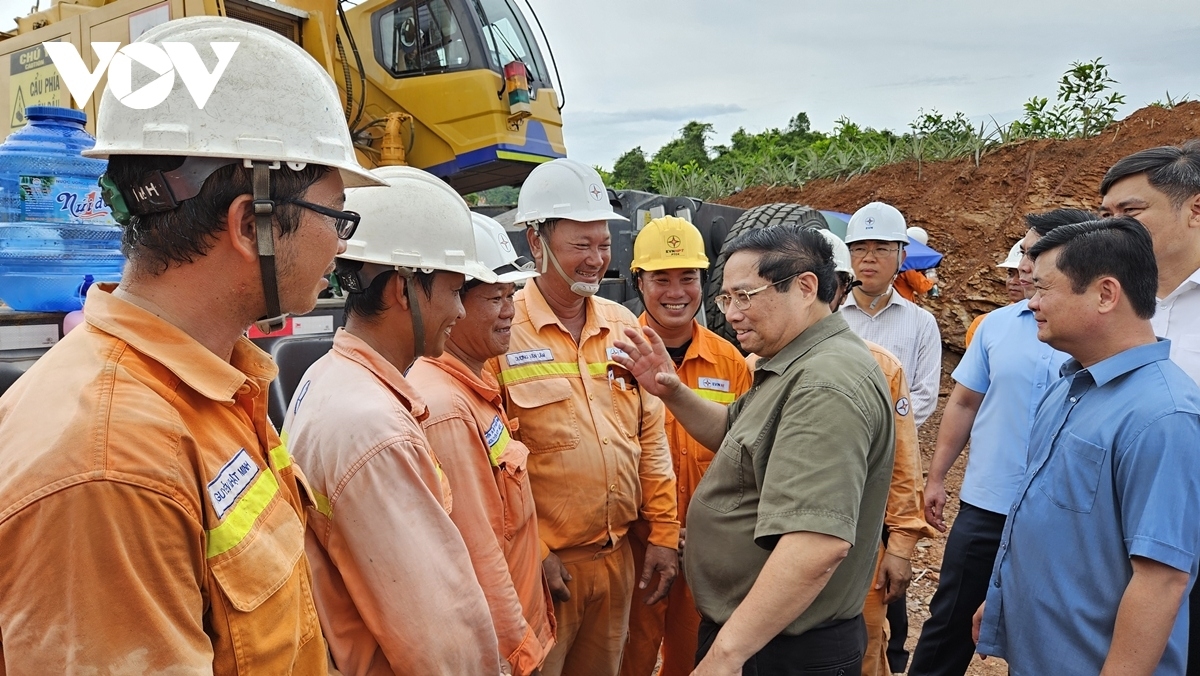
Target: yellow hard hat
668,243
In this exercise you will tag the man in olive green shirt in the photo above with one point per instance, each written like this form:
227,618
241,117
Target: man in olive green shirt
783,529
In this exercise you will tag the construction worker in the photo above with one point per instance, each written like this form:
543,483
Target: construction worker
876,236
668,269
151,521
785,526
1012,286
914,283
485,466
598,451
394,587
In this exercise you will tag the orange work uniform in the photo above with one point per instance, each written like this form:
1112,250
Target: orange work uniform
493,503
714,369
150,519
912,283
904,517
394,585
598,460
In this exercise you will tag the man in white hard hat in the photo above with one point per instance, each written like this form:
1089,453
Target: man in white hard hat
669,264
394,584
876,237
151,521
485,465
599,457
1001,379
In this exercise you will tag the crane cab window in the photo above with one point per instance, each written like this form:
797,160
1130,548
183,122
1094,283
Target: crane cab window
415,37
509,39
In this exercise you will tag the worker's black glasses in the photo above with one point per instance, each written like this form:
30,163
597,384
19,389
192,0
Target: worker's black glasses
344,222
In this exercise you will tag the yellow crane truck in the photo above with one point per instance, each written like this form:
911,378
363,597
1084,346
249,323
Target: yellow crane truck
423,80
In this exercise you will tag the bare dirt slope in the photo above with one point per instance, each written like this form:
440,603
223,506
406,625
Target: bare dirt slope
974,213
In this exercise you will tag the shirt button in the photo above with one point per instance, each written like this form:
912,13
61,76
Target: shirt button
1072,401
591,397
684,452
612,488
606,440
1039,386
243,390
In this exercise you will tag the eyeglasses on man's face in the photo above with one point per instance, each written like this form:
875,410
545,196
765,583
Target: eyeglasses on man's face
344,222
741,298
877,250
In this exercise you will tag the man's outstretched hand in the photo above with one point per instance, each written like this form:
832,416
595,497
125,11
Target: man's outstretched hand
648,360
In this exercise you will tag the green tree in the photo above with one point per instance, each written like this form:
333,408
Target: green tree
632,171
690,146
1085,104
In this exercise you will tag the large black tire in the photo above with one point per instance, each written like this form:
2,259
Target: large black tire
759,217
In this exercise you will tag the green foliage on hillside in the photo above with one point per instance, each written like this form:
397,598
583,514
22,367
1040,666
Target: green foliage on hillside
796,154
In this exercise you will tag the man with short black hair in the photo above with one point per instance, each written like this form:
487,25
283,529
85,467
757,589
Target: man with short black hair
998,384
1160,187
1100,546
784,529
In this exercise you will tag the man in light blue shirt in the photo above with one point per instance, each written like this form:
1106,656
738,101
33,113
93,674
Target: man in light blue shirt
1100,546
1001,379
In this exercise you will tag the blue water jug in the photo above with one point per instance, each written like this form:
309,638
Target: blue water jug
57,235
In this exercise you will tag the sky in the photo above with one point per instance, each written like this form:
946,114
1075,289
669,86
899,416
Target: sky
635,71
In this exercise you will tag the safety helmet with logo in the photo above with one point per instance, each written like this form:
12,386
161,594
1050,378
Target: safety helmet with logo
495,250
259,116
416,222
668,243
1014,257
564,189
877,221
918,234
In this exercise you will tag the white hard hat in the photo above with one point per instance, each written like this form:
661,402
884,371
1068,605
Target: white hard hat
1014,257
918,234
273,102
877,221
496,251
841,252
416,221
567,189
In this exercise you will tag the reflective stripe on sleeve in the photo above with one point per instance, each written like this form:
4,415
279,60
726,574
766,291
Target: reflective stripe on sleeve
498,447
241,518
322,504
713,395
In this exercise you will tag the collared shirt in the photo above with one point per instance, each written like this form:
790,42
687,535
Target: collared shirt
911,333
150,519
598,451
493,503
1112,474
714,369
1177,319
1013,370
809,449
393,579
904,517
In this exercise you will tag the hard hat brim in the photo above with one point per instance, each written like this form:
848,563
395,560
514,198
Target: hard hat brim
681,264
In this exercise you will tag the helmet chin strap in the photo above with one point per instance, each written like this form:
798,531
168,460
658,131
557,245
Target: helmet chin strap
264,232
418,325
578,288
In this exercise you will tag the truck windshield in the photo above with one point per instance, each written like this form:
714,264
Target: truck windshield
509,39
416,37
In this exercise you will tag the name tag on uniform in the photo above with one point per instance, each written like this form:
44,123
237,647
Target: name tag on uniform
233,480
494,431
529,357
714,384
615,351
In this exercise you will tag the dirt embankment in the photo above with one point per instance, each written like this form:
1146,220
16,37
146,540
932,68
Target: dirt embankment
974,213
